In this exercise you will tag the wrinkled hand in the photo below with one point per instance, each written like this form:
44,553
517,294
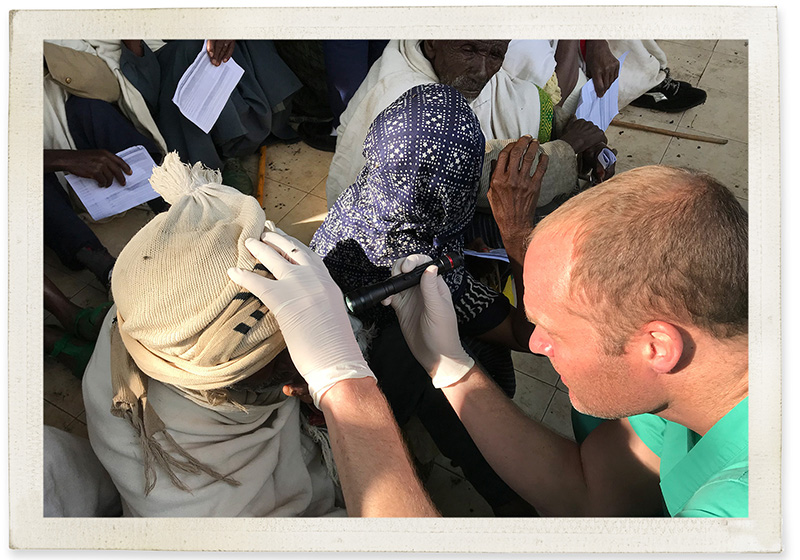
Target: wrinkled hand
582,134
219,51
428,321
99,165
513,191
601,65
309,308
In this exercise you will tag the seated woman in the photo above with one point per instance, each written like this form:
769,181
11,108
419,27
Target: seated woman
417,194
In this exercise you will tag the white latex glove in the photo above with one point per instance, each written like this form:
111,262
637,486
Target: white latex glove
310,311
428,321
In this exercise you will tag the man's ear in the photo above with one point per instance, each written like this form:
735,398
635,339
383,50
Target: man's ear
662,346
429,49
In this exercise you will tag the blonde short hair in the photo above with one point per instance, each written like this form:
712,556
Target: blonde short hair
657,243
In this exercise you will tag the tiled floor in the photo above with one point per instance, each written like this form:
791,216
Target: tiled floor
295,199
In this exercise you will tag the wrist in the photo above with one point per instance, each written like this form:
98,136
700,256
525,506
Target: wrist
574,143
321,381
450,370
55,160
347,392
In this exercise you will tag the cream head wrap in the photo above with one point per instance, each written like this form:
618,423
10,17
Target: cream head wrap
180,319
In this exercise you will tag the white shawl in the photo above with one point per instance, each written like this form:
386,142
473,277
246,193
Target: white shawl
278,467
507,108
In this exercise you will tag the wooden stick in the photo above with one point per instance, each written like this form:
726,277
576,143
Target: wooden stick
675,133
262,164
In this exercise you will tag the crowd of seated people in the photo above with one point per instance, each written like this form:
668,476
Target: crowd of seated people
193,404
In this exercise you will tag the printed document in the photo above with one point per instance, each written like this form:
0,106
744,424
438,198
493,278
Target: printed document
204,89
104,202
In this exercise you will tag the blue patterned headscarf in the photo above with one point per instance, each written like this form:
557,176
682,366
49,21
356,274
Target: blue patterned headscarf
416,193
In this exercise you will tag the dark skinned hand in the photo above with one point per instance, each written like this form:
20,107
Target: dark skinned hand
601,65
220,51
513,191
100,165
134,45
590,164
582,134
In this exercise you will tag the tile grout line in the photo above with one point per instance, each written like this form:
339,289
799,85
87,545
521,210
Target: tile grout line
530,376
549,403
296,188
64,411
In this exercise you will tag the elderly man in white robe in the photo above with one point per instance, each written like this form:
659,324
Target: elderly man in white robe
507,108
191,400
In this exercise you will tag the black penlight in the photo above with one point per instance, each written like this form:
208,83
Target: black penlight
368,296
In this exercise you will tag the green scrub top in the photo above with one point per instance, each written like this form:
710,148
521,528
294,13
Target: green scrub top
701,476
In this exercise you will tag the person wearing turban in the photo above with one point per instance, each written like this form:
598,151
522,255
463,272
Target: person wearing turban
190,393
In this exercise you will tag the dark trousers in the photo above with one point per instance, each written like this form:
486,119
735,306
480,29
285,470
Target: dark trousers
409,390
346,66
93,124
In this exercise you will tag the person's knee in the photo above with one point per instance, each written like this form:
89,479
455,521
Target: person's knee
83,106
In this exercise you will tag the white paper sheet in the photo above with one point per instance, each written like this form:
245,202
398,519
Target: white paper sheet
600,110
204,89
495,254
104,202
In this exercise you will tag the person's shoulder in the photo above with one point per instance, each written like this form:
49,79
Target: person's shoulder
650,429
724,495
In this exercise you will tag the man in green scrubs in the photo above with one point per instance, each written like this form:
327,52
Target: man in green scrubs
638,290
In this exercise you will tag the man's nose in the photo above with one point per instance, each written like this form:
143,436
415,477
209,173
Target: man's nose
484,68
540,343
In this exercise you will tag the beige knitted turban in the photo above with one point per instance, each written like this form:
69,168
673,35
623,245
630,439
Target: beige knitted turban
182,320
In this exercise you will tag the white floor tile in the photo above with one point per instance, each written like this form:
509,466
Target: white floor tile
647,117
636,148
707,44
305,218
558,416
737,47
454,496
722,115
686,62
538,367
726,72
297,165
533,396
727,163
279,199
